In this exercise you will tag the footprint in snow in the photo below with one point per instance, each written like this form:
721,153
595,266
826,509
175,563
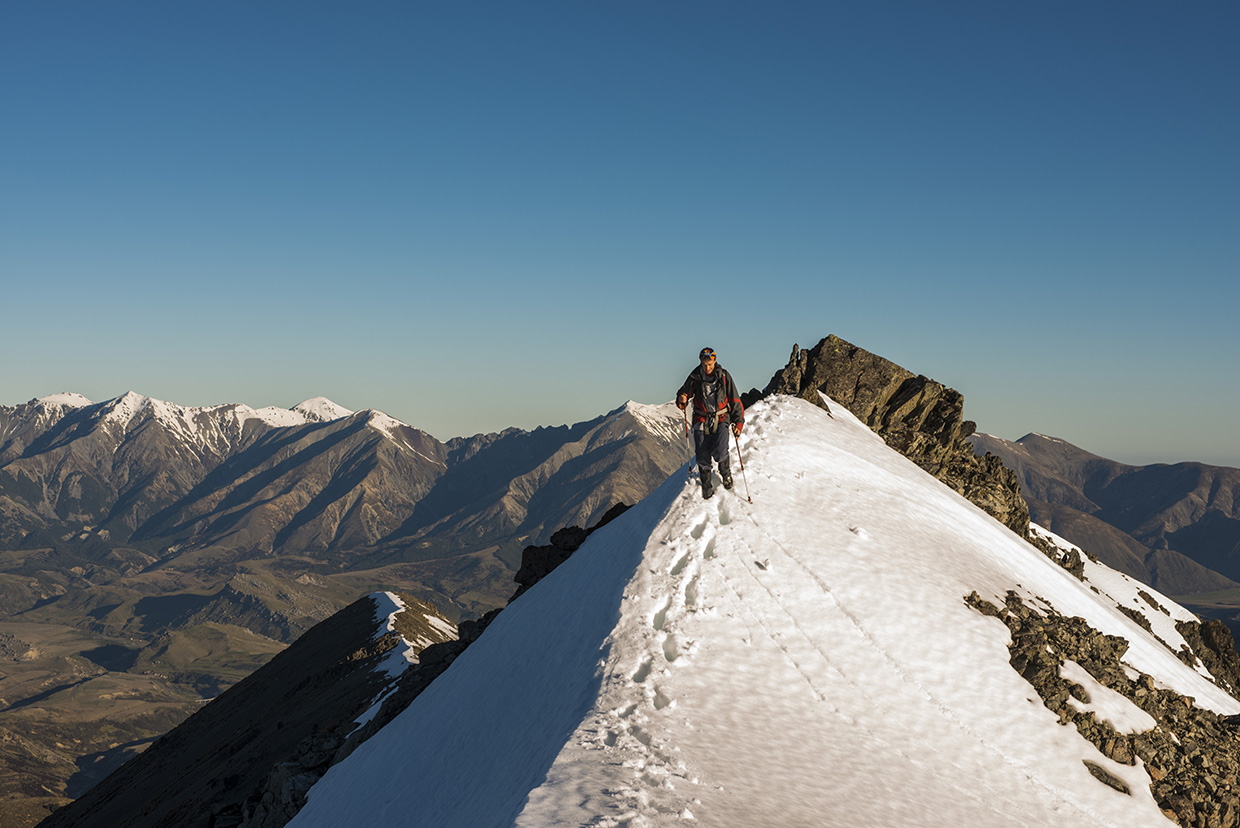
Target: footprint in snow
662,700
660,618
642,672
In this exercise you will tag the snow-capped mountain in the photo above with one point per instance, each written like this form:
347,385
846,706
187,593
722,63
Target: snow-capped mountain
183,547
316,478
860,646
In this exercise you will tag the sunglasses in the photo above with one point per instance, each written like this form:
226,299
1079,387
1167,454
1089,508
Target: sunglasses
706,354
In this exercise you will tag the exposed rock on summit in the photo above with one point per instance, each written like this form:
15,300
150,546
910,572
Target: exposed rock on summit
920,418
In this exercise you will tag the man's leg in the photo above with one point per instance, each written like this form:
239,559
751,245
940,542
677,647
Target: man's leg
703,444
722,454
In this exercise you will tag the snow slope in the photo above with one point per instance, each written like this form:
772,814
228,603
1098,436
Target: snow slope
807,660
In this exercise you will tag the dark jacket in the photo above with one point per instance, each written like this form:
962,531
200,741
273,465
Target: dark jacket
714,396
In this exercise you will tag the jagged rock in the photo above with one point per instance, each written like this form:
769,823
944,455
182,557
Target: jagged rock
1192,755
1106,777
915,415
1069,559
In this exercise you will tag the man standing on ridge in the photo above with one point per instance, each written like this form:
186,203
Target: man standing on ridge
715,404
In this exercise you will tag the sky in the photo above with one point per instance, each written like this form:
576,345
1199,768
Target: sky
479,215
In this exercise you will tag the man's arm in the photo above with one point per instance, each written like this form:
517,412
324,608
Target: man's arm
685,393
736,408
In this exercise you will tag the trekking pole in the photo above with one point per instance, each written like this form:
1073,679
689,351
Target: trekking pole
689,465
737,438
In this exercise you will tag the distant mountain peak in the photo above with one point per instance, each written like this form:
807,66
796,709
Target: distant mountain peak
321,410
1036,435
68,399
124,409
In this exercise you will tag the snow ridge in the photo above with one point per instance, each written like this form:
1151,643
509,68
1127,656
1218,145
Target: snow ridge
807,659
387,606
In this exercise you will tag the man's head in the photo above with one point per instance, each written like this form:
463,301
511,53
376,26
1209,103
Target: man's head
707,358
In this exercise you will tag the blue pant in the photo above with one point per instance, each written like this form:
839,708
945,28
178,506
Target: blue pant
712,446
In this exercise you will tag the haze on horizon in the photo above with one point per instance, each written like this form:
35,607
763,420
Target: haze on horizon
473,217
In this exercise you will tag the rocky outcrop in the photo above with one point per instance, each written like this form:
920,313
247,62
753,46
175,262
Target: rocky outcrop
920,418
1191,755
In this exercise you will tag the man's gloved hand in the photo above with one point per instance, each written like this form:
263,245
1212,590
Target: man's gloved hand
681,401
736,428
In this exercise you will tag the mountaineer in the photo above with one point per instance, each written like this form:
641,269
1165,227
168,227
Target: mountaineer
716,406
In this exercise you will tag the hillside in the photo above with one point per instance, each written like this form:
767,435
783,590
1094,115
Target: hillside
860,646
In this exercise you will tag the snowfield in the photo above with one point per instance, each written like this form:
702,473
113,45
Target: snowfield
807,660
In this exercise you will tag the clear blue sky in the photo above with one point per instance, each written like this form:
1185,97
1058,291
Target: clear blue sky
475,215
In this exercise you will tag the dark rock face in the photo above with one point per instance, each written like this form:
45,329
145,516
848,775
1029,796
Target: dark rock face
1069,559
920,418
278,799
1192,755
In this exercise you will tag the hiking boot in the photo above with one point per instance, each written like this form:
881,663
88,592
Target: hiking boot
727,479
708,487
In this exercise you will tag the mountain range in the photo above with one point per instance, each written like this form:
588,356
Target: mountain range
154,555
231,482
